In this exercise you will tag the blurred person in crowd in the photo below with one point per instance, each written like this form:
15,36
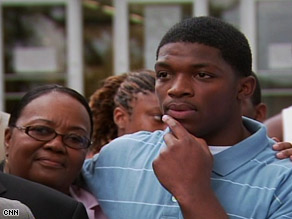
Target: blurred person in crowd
253,107
274,126
124,104
44,202
4,117
209,152
47,138
280,125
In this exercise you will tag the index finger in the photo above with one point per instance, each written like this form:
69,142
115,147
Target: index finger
176,128
279,146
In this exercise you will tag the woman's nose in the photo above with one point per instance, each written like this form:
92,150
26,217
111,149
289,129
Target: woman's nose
56,144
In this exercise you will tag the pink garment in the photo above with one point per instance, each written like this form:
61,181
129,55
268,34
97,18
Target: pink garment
89,201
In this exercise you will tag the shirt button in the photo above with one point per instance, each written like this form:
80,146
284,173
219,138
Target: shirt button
173,199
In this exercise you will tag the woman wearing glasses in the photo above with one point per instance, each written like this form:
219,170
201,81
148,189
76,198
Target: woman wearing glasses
47,140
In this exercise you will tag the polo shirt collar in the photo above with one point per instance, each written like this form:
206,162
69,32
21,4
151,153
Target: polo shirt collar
229,160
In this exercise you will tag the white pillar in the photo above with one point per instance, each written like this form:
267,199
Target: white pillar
157,19
121,37
200,8
74,45
2,78
248,26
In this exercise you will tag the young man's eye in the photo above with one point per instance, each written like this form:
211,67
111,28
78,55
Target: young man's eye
203,75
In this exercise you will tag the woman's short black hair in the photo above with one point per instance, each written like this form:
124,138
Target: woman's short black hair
42,90
216,33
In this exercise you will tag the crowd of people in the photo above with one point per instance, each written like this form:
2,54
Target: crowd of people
188,140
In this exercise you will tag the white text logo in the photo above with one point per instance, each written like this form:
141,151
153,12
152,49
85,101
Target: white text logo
10,212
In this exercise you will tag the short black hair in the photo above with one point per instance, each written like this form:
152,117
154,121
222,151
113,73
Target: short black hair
211,31
42,90
256,98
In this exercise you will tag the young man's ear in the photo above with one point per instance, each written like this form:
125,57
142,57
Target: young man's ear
246,87
121,118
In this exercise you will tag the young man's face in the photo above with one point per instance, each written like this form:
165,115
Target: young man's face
197,87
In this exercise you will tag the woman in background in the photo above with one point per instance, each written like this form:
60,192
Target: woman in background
124,104
47,139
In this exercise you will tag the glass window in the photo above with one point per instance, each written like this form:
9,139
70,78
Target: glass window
34,48
274,45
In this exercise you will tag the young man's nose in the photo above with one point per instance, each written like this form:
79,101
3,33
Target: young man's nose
181,86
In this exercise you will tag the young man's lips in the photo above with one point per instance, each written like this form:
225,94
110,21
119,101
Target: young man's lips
180,114
181,110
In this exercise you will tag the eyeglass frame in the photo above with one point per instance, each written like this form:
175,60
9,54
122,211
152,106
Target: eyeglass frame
27,128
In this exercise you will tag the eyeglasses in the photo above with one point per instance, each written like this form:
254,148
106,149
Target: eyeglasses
44,133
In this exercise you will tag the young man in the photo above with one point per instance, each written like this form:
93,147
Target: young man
210,162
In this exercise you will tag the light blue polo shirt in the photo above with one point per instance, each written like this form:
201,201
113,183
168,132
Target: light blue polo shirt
247,178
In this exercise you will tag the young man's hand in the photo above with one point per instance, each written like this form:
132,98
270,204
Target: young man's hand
184,168
185,163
